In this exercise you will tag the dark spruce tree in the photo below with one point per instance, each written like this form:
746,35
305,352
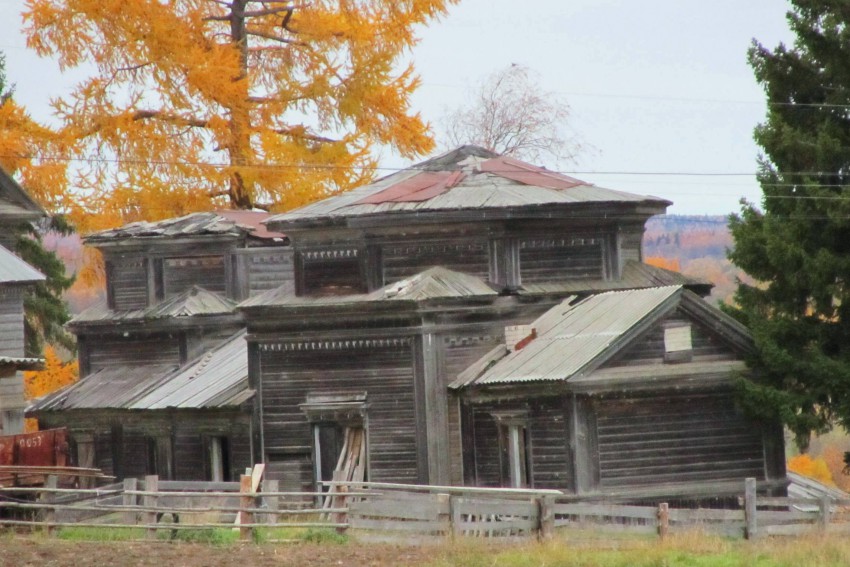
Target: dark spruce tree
797,242
45,311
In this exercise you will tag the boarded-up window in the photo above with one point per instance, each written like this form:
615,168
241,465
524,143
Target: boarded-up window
557,259
401,261
179,274
127,284
678,346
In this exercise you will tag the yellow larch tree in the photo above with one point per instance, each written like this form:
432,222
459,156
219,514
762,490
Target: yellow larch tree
202,104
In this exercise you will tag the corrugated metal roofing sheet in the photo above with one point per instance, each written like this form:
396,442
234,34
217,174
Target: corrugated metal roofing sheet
15,270
488,182
571,336
22,362
219,378
433,283
195,301
234,223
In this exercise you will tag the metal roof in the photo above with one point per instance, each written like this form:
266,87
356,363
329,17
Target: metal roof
466,178
195,301
433,283
224,223
635,275
15,270
15,203
219,378
570,337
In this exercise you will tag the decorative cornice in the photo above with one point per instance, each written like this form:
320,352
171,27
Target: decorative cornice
342,344
330,254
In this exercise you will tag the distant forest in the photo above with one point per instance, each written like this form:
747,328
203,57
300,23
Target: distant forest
695,246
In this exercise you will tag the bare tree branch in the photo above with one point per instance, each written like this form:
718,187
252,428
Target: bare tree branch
172,118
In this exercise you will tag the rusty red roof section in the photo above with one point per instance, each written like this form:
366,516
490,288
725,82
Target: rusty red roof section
528,174
254,220
420,187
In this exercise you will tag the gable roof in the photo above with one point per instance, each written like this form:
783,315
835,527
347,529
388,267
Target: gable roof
574,338
13,270
224,223
466,178
434,283
195,301
219,378
15,203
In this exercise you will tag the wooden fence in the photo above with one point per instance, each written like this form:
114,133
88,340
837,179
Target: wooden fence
408,511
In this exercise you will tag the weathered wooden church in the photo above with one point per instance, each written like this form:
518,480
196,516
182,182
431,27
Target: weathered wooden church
470,320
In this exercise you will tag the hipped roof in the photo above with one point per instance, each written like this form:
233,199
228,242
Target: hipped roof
431,284
193,302
217,379
223,223
467,178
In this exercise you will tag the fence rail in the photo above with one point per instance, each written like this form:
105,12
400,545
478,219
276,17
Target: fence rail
405,510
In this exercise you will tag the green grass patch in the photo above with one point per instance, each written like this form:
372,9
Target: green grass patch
74,533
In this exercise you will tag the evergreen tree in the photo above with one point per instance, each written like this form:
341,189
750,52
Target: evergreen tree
45,310
797,243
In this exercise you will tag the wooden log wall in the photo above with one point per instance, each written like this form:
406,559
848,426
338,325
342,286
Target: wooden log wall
381,368
11,321
270,268
181,273
676,438
650,348
105,352
548,444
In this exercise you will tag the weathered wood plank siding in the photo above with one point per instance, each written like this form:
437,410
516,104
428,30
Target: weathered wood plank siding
270,268
181,273
548,428
650,348
384,373
554,259
402,260
127,280
675,438
548,449
104,352
11,321
458,353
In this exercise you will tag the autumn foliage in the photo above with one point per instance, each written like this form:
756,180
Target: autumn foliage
666,263
55,375
812,468
209,104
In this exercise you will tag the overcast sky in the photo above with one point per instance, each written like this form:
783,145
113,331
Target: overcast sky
658,87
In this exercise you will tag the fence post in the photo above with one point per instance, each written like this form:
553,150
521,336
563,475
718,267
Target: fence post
750,508
444,517
246,502
663,520
272,503
130,500
455,508
149,501
48,497
825,512
546,510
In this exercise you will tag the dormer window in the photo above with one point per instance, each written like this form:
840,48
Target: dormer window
678,344
177,274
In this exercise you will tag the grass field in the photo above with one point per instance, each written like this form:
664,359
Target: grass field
689,550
